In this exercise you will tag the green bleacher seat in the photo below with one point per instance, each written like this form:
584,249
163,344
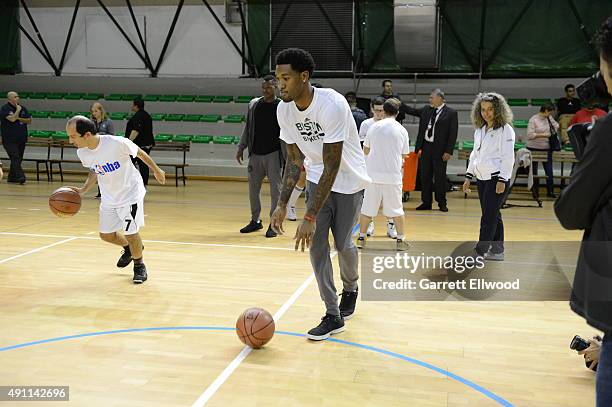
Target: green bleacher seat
167,98
202,139
93,96
185,98
158,116
203,99
55,95
151,98
222,99
519,145
130,96
540,102
59,135
38,134
47,133
173,117
234,118
182,138
243,99
60,115
223,139
520,124
518,102
211,118
163,137
22,95
467,145
74,96
117,115
113,96
120,133
237,139
38,95
86,114
567,147
192,118
39,114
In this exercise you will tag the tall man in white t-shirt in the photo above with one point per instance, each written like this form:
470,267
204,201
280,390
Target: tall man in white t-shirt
109,159
386,145
321,134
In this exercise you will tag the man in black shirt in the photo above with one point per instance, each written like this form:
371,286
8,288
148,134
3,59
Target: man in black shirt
140,130
566,107
261,136
14,119
387,93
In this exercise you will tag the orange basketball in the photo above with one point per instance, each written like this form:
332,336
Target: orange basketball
64,202
255,327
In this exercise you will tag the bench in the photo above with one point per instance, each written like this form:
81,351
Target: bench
180,146
37,142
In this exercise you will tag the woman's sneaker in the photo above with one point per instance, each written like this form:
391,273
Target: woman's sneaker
330,325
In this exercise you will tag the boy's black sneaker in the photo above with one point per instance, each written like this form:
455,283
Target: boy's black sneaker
347,304
140,273
125,259
251,227
330,325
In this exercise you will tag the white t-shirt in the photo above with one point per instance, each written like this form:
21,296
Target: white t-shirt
119,180
328,119
387,140
365,125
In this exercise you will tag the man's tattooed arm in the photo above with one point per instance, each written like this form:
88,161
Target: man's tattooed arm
332,155
295,160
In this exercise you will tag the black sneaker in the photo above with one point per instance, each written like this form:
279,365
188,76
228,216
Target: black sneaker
330,325
270,232
251,227
125,259
140,273
347,304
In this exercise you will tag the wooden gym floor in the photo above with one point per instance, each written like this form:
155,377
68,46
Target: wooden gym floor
58,279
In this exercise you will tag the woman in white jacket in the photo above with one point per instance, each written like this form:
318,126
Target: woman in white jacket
491,164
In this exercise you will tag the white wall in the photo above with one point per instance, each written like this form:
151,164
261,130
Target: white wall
198,45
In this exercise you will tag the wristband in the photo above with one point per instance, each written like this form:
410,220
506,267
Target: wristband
310,218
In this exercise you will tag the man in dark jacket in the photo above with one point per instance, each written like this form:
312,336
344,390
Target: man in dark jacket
262,137
14,120
139,129
438,126
586,203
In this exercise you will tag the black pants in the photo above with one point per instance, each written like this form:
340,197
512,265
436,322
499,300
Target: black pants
15,150
142,167
548,170
491,223
433,175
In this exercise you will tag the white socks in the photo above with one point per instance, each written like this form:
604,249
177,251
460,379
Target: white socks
297,191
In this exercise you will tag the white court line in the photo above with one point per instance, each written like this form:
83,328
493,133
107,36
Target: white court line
227,372
157,241
91,233
33,209
37,250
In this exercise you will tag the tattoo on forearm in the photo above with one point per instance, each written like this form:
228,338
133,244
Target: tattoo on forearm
332,156
293,168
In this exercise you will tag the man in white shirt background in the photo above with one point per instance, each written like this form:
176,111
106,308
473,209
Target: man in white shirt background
386,145
321,134
109,159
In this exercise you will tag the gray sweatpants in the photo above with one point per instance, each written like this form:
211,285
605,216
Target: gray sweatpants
259,167
339,213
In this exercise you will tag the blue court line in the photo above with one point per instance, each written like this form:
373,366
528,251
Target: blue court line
417,362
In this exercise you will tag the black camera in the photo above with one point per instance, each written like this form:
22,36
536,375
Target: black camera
578,343
594,91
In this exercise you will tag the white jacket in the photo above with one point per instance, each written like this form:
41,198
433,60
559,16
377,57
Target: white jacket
493,154
523,159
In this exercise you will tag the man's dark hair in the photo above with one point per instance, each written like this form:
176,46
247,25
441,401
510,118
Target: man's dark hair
391,106
138,102
568,86
351,97
316,85
378,101
548,107
385,81
269,78
604,40
83,125
300,60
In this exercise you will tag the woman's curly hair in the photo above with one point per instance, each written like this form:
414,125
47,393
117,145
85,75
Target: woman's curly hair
503,114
